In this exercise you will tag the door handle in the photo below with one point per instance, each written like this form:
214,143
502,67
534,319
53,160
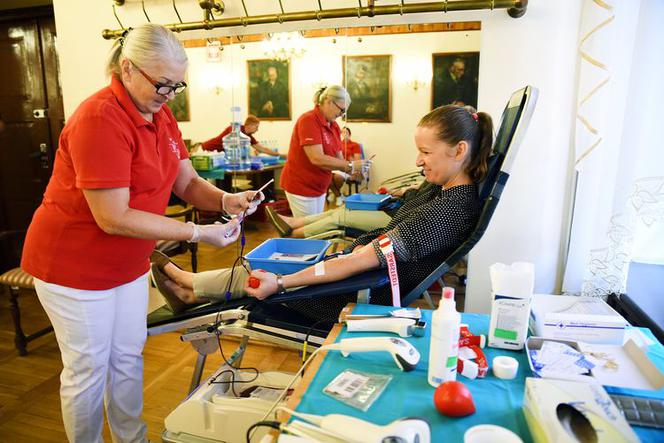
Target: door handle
43,156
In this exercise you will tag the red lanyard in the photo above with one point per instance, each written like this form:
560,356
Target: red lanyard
386,248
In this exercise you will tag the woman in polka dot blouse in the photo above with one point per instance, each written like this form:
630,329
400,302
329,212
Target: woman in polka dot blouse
453,147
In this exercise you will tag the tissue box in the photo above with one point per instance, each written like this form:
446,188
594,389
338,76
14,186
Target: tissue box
586,319
548,404
208,162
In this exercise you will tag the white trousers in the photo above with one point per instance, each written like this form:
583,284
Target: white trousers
302,206
101,335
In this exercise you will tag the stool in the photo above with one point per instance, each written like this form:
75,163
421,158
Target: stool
15,280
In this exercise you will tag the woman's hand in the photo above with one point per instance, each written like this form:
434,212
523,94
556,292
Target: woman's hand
220,234
246,201
267,284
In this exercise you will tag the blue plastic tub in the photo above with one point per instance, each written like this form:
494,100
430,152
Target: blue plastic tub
366,202
259,258
267,160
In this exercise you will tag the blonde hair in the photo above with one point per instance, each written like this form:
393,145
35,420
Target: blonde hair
334,92
145,45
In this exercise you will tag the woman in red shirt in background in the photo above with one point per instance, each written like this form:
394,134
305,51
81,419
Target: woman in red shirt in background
316,150
120,155
351,151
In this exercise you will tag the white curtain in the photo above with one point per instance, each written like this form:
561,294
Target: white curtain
618,213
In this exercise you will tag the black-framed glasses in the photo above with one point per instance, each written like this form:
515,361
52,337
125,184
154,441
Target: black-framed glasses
161,88
343,111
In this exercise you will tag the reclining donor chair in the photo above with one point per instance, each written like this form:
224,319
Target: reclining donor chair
271,321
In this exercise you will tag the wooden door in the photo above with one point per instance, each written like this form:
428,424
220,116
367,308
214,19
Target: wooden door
31,108
32,117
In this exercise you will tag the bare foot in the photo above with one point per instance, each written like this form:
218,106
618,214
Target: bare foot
293,222
183,278
184,294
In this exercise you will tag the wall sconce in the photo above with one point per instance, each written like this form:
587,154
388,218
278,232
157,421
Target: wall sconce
416,83
416,74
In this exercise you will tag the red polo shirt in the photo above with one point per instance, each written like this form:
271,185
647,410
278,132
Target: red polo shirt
300,176
217,144
350,148
105,144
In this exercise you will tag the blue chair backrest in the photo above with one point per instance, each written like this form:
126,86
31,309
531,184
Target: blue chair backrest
513,124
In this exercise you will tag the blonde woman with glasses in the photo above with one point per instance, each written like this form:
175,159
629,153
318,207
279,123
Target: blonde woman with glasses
120,156
315,151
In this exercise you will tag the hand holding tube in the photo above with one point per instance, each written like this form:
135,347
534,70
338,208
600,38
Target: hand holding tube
246,202
218,234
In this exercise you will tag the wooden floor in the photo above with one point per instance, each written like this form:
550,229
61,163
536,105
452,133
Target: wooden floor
29,397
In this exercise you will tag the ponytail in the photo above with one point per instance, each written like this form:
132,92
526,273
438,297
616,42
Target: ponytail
477,166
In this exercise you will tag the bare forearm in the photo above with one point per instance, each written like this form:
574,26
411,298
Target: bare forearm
140,224
334,270
260,148
330,163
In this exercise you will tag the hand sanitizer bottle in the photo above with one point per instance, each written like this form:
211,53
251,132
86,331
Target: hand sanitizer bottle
444,349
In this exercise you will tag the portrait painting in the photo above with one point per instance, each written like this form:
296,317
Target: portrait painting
180,106
269,89
367,79
455,79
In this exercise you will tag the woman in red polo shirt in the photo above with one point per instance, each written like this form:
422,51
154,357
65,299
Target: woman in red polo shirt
120,155
316,150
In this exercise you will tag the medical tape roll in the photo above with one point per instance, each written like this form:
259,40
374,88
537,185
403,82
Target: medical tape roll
505,367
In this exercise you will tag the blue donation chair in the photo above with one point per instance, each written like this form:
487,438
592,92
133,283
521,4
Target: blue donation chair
271,321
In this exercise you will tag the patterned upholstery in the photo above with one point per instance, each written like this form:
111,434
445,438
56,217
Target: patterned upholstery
16,278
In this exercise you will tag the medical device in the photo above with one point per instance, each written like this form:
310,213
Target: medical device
404,354
404,327
338,427
213,412
398,313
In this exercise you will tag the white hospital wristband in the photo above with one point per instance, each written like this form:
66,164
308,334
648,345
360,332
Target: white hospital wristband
223,202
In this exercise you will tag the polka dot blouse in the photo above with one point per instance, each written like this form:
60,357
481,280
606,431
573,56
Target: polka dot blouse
424,232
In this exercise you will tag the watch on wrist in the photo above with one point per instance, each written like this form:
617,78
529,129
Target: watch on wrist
280,284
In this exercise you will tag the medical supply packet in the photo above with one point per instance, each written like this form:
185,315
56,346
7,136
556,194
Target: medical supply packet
511,289
357,388
586,319
625,366
551,408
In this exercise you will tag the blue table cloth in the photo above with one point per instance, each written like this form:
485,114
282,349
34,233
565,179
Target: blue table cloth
409,394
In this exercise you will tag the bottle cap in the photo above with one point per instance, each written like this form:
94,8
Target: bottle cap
448,293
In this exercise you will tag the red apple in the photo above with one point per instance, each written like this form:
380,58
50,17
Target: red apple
453,399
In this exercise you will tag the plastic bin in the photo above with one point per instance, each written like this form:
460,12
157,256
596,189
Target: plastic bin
366,202
267,160
259,257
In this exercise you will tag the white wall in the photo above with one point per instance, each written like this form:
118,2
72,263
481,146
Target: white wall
537,49
322,62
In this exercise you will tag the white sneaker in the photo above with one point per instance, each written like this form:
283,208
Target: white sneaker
340,200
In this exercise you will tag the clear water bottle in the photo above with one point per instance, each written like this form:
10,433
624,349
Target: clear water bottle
236,144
